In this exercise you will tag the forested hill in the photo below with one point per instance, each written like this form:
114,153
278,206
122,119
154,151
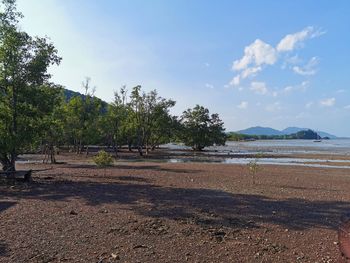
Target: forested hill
69,94
305,135
267,131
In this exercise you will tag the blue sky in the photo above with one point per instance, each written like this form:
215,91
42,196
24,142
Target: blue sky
268,63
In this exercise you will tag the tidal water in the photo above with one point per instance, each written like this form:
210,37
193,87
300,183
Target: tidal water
232,150
336,146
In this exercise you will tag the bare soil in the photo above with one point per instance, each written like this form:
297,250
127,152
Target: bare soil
163,212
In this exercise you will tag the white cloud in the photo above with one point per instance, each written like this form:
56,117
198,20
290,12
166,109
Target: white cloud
274,107
309,105
300,87
243,105
308,69
340,91
302,115
259,87
292,41
293,60
207,64
209,86
327,102
258,53
347,107
235,81
250,72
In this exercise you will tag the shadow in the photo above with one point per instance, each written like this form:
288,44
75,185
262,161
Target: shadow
5,205
204,207
132,167
132,178
305,188
3,249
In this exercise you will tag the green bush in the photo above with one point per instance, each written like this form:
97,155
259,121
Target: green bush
103,159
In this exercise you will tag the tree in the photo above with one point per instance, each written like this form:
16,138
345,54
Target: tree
82,119
200,130
53,122
114,124
24,61
150,118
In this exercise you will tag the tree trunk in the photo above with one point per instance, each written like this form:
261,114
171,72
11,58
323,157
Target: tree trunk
129,145
139,144
115,148
13,155
6,164
52,154
87,151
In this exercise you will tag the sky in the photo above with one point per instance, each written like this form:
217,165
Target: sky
267,63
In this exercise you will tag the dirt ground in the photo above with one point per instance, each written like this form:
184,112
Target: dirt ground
181,212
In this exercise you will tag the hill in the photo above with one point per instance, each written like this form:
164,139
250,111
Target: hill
323,134
291,130
69,94
258,130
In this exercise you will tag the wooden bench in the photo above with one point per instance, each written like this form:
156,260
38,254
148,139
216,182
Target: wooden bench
26,175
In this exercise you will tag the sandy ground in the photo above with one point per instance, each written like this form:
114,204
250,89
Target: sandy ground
162,212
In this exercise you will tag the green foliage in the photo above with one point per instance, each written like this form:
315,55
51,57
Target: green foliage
82,118
103,159
254,167
200,130
24,61
150,118
35,112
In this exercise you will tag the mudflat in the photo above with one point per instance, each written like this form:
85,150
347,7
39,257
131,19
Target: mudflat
173,212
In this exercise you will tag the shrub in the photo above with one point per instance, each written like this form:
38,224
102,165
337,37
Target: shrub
253,166
103,159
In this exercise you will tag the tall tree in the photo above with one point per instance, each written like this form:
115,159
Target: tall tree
200,129
150,117
53,122
114,124
24,61
82,118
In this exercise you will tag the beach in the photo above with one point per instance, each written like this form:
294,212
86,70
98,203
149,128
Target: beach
158,211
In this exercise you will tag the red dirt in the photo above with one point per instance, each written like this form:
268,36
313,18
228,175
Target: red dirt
159,212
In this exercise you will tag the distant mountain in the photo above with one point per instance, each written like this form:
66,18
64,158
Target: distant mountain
291,130
287,131
325,134
260,131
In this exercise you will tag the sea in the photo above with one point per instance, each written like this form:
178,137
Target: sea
232,151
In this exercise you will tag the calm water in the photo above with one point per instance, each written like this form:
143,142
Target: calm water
336,146
278,147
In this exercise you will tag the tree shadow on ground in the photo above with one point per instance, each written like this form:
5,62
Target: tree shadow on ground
209,207
155,168
3,249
